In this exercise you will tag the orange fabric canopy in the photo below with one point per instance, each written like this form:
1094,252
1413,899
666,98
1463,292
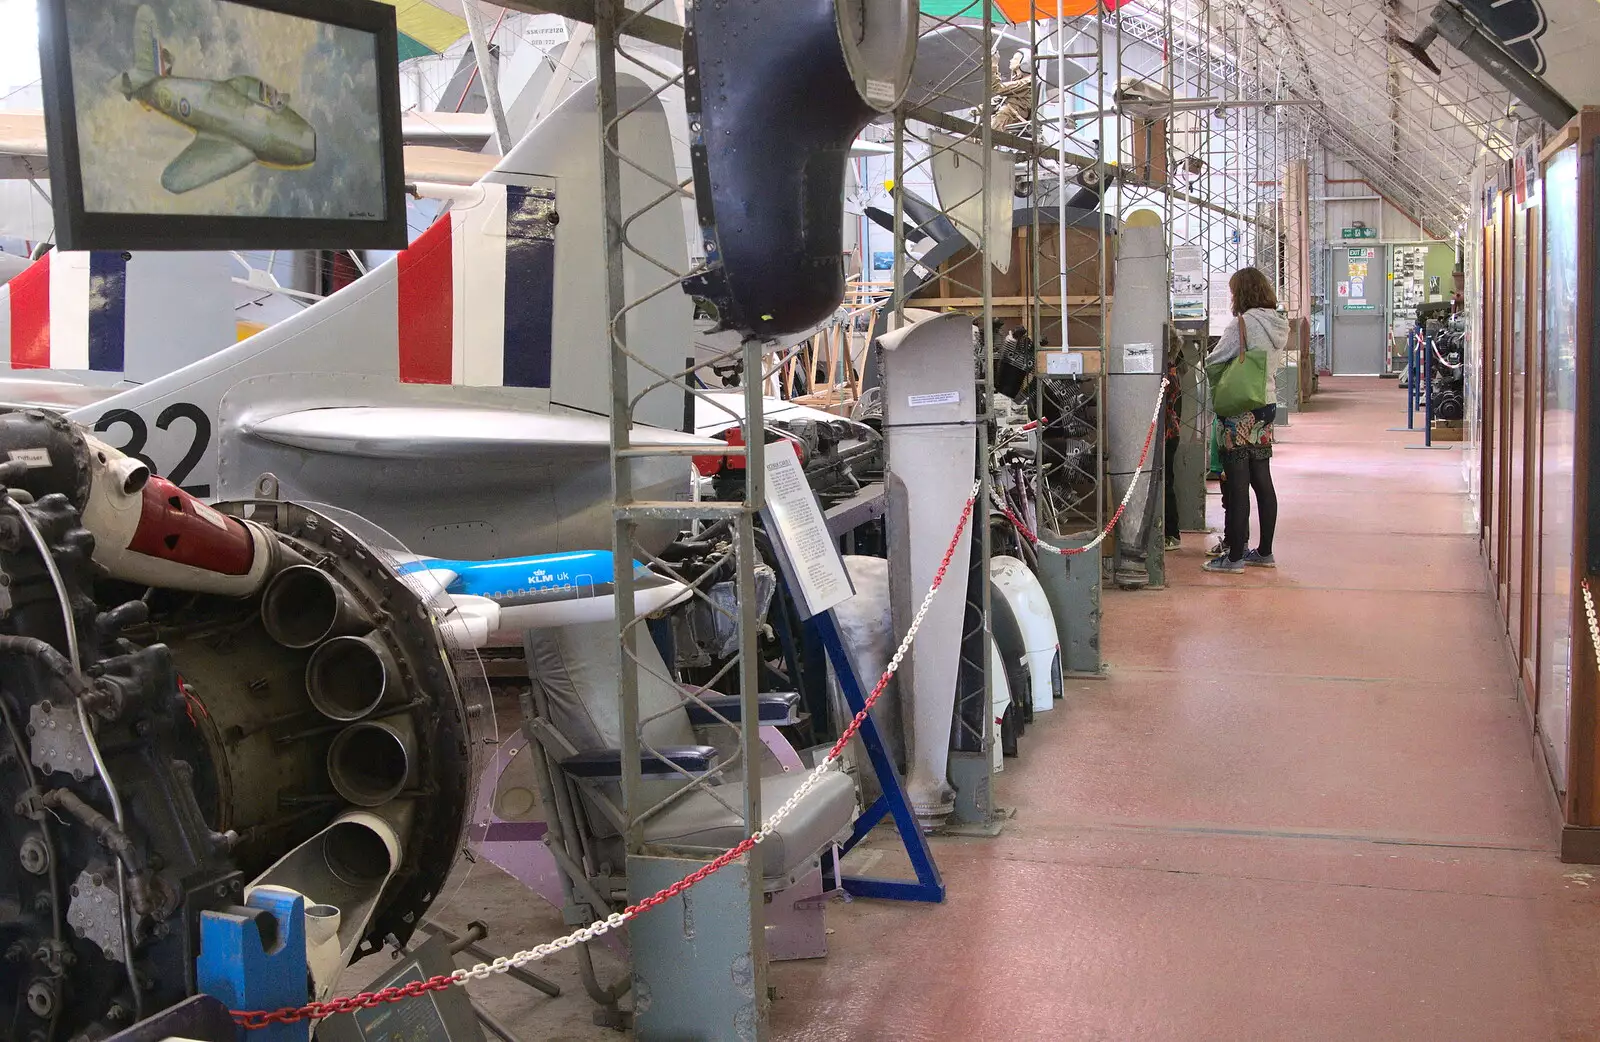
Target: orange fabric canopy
1028,10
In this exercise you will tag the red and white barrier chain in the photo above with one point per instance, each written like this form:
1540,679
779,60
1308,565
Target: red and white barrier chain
1127,497
252,1020
1594,621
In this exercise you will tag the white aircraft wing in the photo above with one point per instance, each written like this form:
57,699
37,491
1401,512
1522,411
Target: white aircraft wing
53,395
449,166
447,433
716,411
23,150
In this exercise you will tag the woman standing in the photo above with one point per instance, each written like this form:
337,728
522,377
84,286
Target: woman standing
1246,439
1174,433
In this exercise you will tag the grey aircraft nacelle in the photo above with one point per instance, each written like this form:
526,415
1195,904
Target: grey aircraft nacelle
237,121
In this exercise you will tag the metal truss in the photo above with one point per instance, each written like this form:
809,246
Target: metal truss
1415,136
966,280
618,42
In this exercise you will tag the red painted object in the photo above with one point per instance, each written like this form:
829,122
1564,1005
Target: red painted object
176,527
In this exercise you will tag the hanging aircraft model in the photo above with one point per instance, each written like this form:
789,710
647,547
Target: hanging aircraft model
237,121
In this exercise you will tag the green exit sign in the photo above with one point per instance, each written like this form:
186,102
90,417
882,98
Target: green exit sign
1359,233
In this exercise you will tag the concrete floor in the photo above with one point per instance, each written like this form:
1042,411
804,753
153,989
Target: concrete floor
1302,805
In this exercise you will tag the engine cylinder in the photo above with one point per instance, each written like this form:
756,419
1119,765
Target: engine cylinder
370,762
355,854
348,677
304,606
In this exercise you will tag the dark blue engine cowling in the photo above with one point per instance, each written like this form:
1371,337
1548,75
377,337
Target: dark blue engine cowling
1517,24
777,92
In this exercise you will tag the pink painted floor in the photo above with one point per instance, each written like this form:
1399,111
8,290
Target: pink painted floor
1301,805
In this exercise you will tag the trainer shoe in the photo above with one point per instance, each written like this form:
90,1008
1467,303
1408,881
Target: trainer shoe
1222,564
1257,559
1219,549
1173,542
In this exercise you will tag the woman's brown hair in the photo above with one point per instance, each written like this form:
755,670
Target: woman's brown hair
1251,290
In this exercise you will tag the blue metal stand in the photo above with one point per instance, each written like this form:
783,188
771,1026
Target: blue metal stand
1425,348
236,967
928,885
1411,382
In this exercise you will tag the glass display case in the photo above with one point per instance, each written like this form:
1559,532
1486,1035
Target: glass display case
1553,547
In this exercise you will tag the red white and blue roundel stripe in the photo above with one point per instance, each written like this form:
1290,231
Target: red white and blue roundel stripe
471,303
477,293
68,311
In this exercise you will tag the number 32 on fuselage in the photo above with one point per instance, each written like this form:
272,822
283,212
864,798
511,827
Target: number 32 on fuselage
138,437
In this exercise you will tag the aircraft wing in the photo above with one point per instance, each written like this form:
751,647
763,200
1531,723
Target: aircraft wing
53,395
716,411
447,433
23,150
208,158
446,165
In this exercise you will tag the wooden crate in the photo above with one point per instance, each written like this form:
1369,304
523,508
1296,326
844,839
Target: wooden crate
961,277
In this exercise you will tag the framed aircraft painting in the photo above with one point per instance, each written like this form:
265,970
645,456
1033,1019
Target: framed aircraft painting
223,124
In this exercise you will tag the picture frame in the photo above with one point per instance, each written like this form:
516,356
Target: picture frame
257,174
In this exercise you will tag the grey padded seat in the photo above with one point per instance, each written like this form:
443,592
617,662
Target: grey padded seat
576,668
700,821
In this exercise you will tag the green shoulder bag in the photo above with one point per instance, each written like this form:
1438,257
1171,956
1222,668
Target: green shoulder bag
1242,383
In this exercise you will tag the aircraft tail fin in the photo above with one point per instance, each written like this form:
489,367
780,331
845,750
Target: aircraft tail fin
146,48
498,302
114,314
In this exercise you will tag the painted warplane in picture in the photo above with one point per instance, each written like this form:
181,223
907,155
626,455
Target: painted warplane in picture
237,121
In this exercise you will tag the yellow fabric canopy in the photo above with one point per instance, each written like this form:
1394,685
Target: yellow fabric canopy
430,26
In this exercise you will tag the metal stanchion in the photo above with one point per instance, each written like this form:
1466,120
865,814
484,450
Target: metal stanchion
1411,382
1425,346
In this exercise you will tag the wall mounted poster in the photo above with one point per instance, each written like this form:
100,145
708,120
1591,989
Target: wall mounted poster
224,110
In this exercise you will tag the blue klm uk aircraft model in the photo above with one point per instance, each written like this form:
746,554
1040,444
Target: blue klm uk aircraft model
237,121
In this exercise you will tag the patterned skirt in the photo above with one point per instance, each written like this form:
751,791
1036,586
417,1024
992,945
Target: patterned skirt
1247,435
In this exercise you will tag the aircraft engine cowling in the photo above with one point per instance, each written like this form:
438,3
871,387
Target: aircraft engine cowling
776,94
208,765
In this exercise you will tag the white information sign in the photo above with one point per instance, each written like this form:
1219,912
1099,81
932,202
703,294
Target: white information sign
808,554
1221,304
1138,358
1063,363
1189,261
917,401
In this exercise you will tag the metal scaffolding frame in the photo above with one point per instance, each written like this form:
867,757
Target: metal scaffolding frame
620,31
918,143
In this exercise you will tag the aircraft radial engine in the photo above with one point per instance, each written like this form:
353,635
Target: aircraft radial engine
162,754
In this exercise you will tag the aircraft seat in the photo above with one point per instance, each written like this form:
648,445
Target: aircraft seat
574,669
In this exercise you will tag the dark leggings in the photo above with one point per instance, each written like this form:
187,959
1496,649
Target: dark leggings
1173,528
1241,474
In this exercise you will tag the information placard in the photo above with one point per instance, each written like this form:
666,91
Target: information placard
806,551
